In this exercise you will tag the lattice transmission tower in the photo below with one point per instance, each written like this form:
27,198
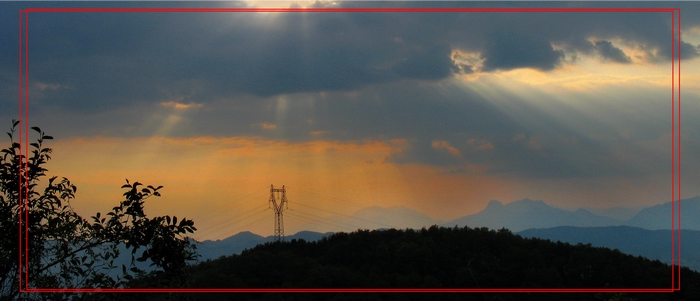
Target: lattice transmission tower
278,199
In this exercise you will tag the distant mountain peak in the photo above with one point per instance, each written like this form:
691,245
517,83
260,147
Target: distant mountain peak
659,216
583,211
494,206
494,203
527,213
529,201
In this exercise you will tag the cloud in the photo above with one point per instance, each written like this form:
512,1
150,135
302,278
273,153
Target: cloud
318,133
611,53
266,126
180,106
440,144
510,50
44,86
480,144
430,64
110,60
688,51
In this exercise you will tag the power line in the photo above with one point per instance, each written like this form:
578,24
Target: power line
320,222
345,202
334,199
244,216
347,216
230,206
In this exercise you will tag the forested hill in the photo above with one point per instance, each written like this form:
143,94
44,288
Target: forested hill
440,258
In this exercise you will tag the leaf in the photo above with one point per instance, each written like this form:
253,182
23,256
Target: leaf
126,186
15,122
174,220
47,137
167,218
36,128
143,257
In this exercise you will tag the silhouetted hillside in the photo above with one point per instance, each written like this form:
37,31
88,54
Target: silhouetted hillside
438,258
652,244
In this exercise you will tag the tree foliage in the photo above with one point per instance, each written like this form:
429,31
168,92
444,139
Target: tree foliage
65,250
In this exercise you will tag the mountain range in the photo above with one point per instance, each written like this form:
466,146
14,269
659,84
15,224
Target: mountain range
516,216
529,214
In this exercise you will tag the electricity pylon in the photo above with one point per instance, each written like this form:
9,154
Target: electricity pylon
278,206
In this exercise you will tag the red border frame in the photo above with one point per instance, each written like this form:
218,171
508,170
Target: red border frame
675,164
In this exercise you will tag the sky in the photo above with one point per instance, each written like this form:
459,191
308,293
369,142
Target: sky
436,112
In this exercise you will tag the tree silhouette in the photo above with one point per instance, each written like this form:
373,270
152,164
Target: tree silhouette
65,250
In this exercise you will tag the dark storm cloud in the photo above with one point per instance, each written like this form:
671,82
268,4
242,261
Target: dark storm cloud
149,60
688,51
612,53
431,64
116,59
511,50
